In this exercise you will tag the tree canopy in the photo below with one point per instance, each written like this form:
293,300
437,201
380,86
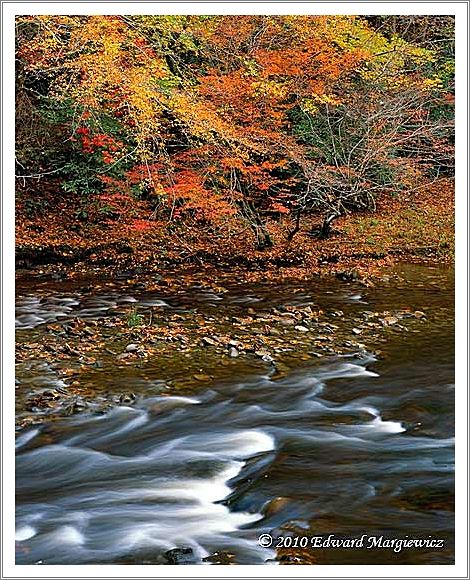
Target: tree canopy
217,121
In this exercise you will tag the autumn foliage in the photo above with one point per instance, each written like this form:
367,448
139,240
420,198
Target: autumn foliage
224,124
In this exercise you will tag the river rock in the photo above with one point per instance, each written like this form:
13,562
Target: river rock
274,332
264,355
201,377
233,352
261,352
276,505
76,406
132,348
50,394
183,555
348,276
419,314
127,398
208,341
301,328
220,557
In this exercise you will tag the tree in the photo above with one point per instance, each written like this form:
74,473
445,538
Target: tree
217,119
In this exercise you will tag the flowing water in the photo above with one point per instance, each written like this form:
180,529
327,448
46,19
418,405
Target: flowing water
345,446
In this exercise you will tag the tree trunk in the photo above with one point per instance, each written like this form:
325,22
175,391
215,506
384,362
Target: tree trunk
250,213
291,234
325,229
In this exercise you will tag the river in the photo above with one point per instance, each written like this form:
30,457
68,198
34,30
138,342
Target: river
345,445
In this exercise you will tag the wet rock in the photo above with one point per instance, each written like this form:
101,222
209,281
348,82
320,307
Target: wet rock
257,331
233,352
127,398
289,312
68,349
290,559
140,285
336,313
132,348
389,320
419,314
261,352
287,321
74,407
274,332
50,394
357,331
202,377
301,328
347,276
208,341
276,505
220,558
264,355
183,555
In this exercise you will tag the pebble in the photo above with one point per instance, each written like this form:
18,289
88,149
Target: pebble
132,347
